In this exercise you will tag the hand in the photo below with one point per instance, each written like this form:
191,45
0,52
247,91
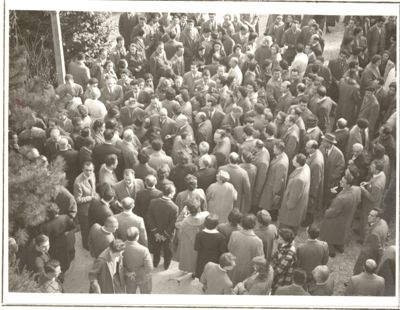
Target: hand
276,200
334,190
167,137
131,275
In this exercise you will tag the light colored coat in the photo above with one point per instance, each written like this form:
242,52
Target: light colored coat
338,217
245,245
215,280
295,199
137,259
366,284
240,180
275,183
187,231
127,220
220,199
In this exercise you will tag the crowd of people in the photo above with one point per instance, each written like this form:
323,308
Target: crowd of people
212,143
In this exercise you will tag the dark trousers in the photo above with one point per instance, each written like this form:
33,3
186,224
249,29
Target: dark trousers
166,247
84,226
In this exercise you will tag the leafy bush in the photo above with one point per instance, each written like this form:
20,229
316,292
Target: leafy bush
21,281
86,32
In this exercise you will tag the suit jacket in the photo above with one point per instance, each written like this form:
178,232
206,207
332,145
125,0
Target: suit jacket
338,68
121,190
292,290
157,160
324,112
101,272
98,240
137,259
107,176
205,177
368,76
167,128
98,212
228,44
84,192
65,202
366,284
334,167
316,164
129,219
349,101
372,196
295,199
342,137
161,217
216,120
275,183
101,151
242,41
127,116
129,154
115,96
240,180
291,139
143,199
375,40
204,132
311,254
370,111
171,47
189,81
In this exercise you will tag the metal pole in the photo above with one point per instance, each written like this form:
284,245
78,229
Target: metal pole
58,46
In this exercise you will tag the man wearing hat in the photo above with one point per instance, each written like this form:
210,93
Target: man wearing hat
334,165
370,109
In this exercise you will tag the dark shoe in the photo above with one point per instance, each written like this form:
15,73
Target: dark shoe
308,220
166,265
339,248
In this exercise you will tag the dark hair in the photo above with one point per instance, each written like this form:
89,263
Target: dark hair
248,221
279,144
286,234
234,217
51,266
299,276
211,221
168,189
193,206
156,144
143,157
108,134
313,231
40,239
362,123
117,245
321,91
301,159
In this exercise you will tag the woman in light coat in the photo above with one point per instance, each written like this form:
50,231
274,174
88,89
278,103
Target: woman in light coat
187,229
245,245
221,196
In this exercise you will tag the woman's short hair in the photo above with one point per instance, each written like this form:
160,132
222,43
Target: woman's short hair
211,221
227,259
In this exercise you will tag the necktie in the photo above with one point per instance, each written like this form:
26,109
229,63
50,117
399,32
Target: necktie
363,137
90,183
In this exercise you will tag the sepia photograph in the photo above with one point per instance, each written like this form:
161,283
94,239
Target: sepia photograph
200,150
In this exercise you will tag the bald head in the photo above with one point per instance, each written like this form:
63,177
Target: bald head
132,234
128,135
370,266
234,158
163,112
